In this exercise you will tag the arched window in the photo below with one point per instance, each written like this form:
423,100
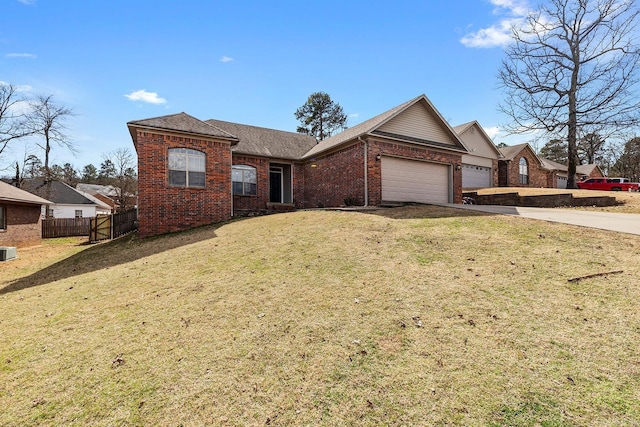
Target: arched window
186,168
245,180
524,171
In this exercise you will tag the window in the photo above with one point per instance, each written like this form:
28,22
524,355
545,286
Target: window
3,217
524,171
78,213
245,180
49,213
186,168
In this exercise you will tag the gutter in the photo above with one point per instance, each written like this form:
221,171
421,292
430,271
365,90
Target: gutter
366,172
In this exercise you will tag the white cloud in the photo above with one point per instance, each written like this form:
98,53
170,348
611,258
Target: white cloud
144,96
354,115
513,13
27,2
21,55
492,131
226,59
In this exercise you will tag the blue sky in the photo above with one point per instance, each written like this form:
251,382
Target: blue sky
252,62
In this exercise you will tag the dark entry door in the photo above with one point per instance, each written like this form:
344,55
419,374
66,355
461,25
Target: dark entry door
275,185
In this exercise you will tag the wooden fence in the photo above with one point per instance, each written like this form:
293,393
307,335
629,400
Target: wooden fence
65,227
102,227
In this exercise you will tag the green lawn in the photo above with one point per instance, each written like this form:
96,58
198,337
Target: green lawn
408,316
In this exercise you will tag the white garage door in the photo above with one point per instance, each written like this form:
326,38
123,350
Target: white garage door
475,176
414,181
562,181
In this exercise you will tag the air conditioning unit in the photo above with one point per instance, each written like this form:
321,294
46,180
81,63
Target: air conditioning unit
7,253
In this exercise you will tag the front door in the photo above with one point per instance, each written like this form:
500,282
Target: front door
275,184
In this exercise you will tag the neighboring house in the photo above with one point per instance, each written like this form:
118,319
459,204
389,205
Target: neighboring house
20,219
193,172
589,171
557,173
478,165
520,167
67,202
107,194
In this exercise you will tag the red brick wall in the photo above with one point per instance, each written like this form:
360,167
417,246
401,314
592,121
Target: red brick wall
163,208
335,177
341,174
24,226
537,176
258,202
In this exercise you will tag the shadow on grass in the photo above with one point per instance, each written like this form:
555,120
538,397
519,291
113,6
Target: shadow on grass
115,252
419,211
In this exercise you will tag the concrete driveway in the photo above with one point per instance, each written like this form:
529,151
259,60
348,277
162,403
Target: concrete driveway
623,223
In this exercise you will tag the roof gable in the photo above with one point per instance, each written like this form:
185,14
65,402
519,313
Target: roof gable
56,191
259,141
9,193
476,140
510,152
415,121
181,122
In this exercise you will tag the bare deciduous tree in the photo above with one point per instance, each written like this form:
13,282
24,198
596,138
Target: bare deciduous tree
12,116
123,165
572,67
47,118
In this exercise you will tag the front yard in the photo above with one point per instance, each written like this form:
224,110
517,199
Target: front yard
411,316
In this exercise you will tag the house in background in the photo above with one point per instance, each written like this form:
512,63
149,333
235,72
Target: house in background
66,201
20,217
108,194
557,173
520,166
589,171
193,172
479,163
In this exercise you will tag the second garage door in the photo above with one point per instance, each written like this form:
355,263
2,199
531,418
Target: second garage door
475,176
414,181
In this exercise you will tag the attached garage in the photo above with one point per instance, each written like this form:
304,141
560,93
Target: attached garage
406,180
474,176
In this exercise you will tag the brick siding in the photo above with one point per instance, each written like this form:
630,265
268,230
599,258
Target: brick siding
537,176
164,208
340,175
24,225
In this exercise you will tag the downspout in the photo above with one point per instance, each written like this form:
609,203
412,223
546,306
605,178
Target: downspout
366,172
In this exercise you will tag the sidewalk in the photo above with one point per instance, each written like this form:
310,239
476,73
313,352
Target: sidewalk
623,223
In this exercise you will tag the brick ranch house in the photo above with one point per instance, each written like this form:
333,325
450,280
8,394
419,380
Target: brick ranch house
20,217
193,172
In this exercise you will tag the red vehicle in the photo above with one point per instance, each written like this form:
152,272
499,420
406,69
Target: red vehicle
608,184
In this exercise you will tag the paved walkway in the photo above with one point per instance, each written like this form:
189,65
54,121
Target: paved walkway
620,222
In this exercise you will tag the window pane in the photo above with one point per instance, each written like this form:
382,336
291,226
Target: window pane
237,187
250,189
196,179
236,175
2,218
177,178
250,175
196,162
177,161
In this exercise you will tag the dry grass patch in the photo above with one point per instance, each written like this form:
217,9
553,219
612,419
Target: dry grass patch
412,316
629,202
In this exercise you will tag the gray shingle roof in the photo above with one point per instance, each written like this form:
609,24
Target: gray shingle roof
9,193
55,191
372,124
260,141
551,165
511,151
182,122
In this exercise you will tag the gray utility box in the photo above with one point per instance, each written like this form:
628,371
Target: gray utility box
7,253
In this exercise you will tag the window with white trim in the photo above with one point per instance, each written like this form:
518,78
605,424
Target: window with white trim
245,180
186,168
524,171
78,213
